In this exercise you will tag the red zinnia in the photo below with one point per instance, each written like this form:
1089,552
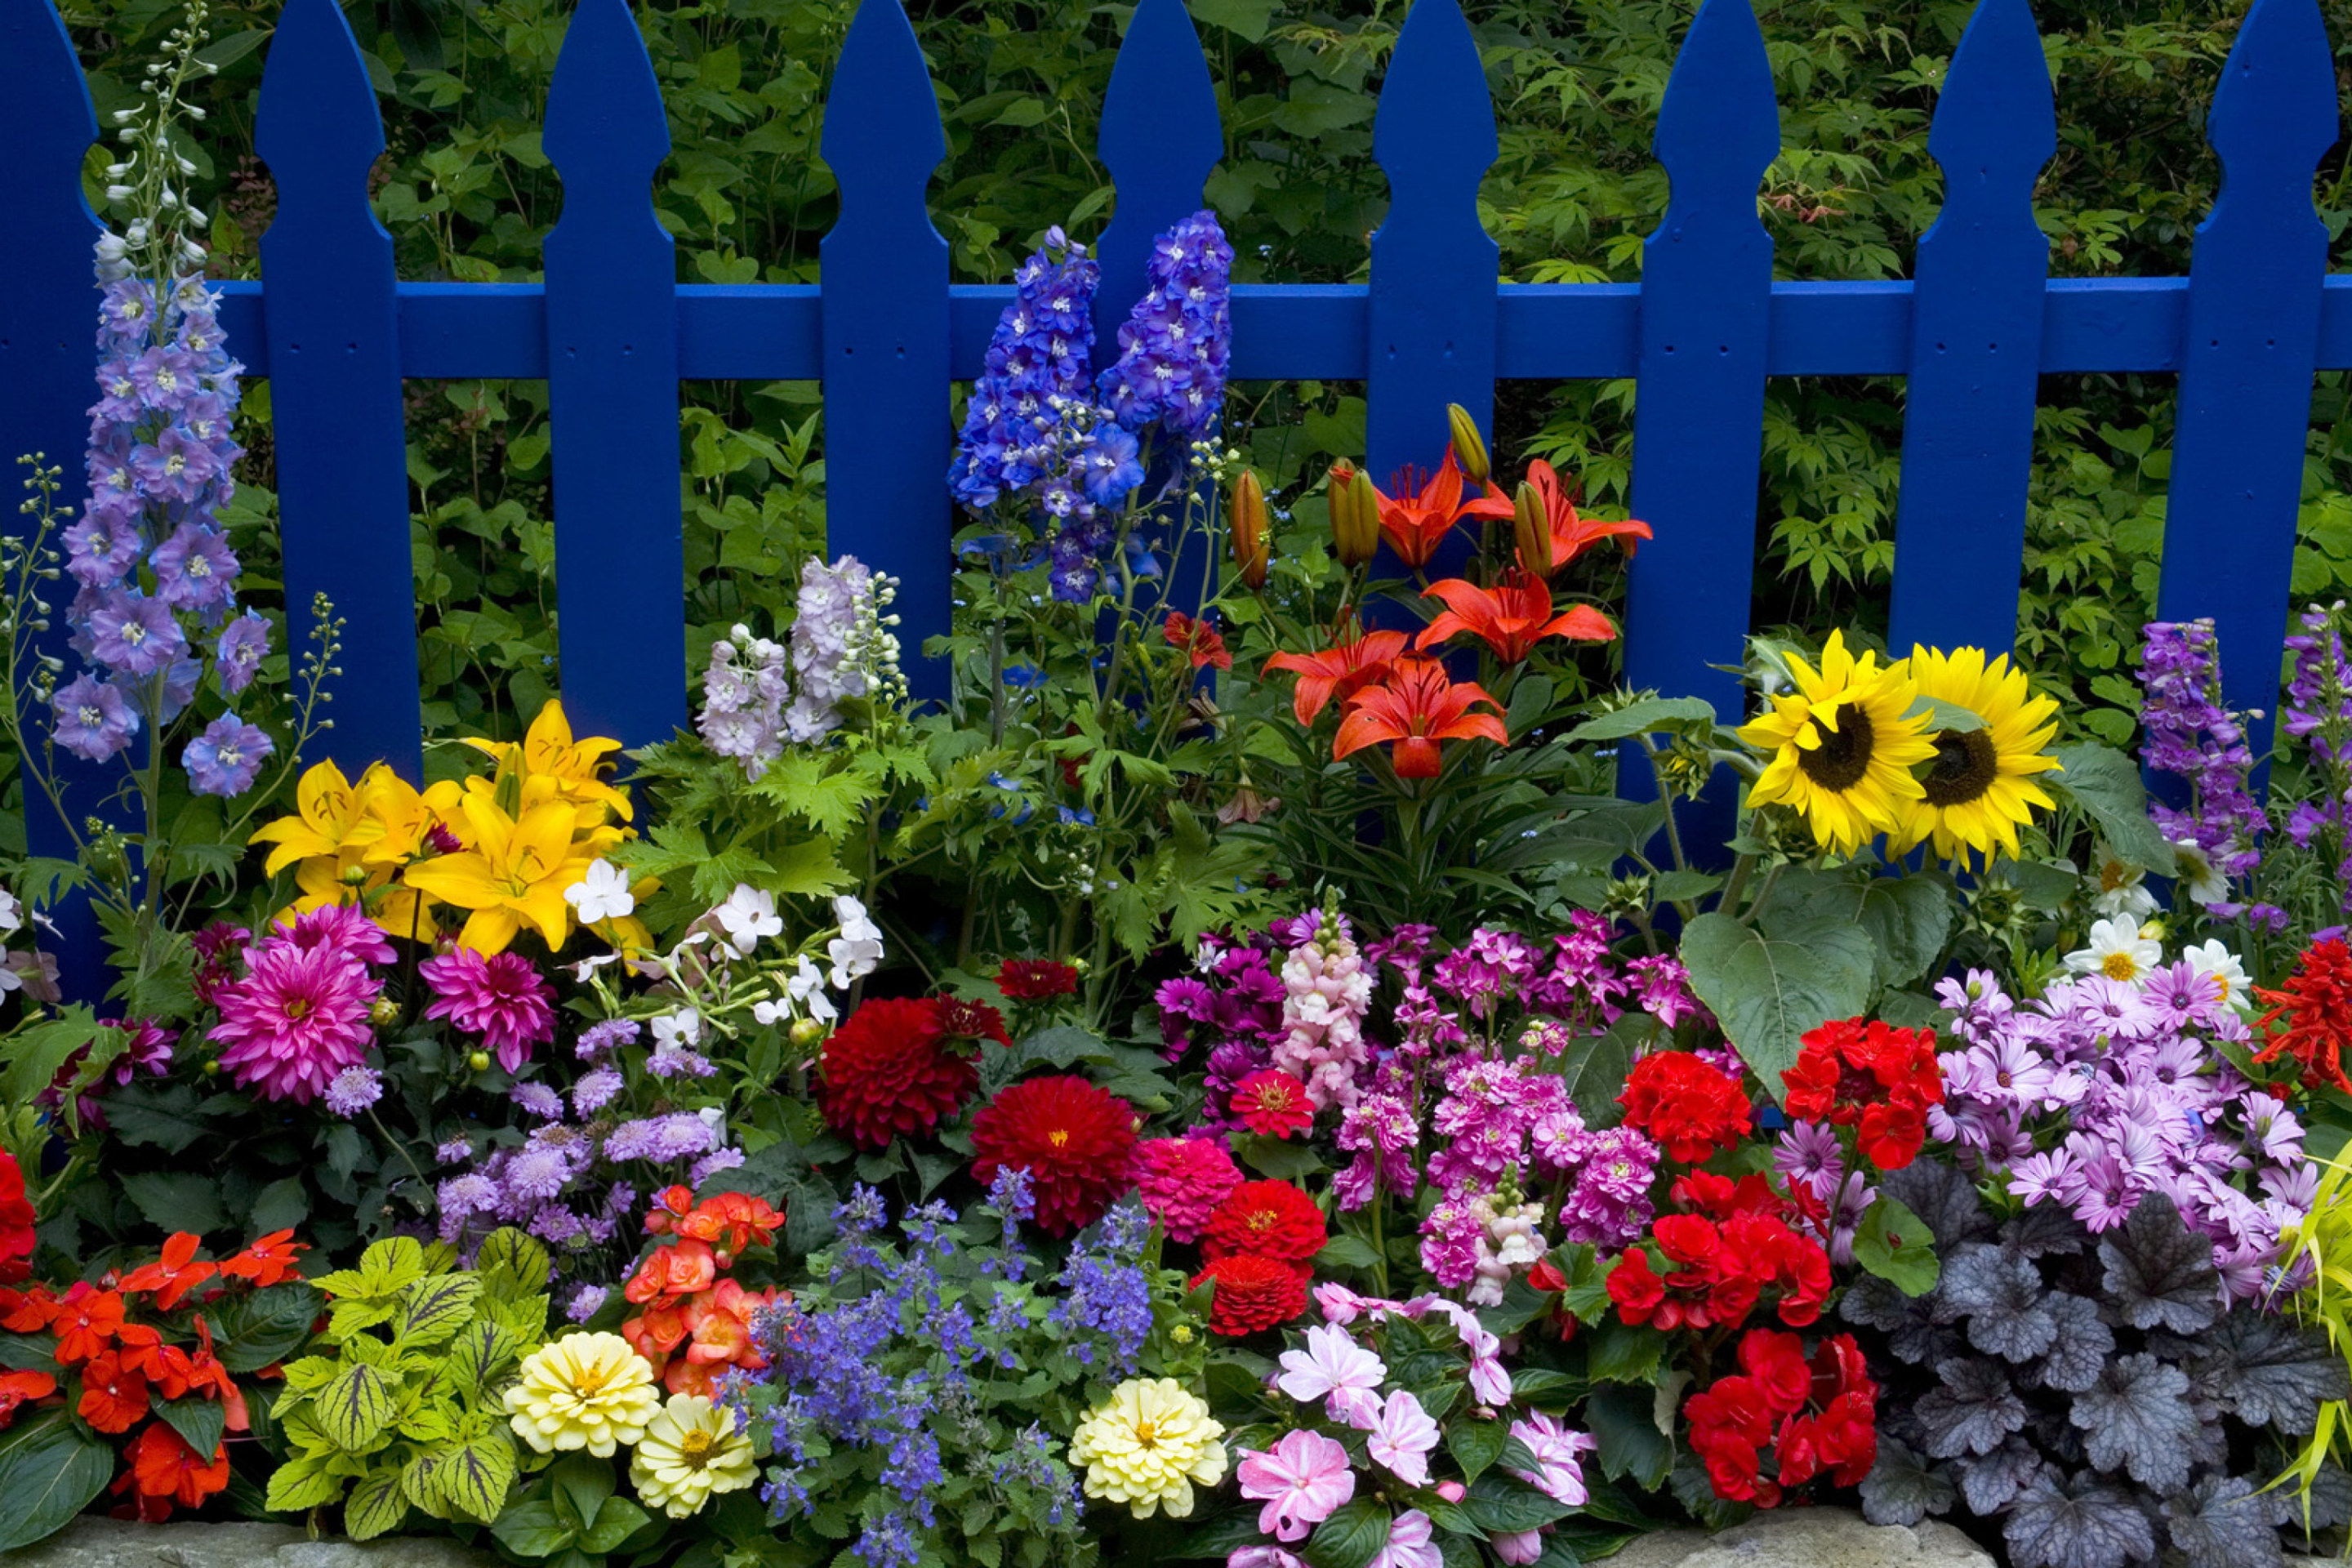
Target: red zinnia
1690,1109
1076,1140
888,1073
1036,979
1253,1293
1272,1219
2315,1004
1273,1104
1200,640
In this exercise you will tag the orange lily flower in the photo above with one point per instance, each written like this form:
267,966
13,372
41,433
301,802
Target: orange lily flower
1418,706
1339,672
1572,533
1416,519
1512,617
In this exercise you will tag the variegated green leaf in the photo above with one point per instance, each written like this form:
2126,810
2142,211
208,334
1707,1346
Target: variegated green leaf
376,1506
352,1318
309,1375
308,1480
434,1309
472,1478
389,1264
355,1410
512,1264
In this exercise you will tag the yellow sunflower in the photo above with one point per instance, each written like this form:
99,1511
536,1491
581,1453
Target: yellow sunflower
1841,747
1979,789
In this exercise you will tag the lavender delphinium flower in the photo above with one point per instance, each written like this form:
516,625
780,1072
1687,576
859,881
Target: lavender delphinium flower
225,758
2187,732
2317,712
843,647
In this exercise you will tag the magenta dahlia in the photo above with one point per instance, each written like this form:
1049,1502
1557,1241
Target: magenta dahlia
344,926
502,998
298,1017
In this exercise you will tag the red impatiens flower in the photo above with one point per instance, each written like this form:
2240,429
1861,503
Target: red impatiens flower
166,1470
1273,1104
1878,1081
84,1319
1511,617
1415,706
1572,532
267,1261
1200,640
1253,1293
1272,1219
1688,1107
2315,1006
17,1219
16,1387
888,1072
1036,979
113,1396
1338,673
1076,1140
172,1275
1417,518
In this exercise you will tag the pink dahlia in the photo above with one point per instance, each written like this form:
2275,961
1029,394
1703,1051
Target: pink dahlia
342,926
298,1017
1184,1180
502,998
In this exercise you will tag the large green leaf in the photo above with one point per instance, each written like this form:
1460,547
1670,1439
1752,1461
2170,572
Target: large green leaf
1350,1538
434,1309
2107,785
354,1408
176,1200
50,1469
512,1264
308,1480
530,1528
1505,1505
1649,713
376,1506
198,1420
1767,992
615,1521
265,1326
1909,919
472,1477
1897,1245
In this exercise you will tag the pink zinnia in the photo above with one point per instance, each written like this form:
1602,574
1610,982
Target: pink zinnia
1183,1182
299,1018
501,998
1303,1480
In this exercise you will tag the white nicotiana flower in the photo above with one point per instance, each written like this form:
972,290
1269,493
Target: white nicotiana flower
858,949
2118,951
677,1031
2121,895
806,988
2210,961
602,894
11,978
12,913
749,914
2204,880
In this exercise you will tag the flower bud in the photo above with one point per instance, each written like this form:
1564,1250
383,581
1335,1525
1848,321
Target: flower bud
1532,527
1469,446
479,1061
1246,524
1355,516
806,1031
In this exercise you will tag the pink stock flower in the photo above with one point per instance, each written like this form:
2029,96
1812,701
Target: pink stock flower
1409,1544
1335,1368
1401,1437
298,1017
1302,1480
502,998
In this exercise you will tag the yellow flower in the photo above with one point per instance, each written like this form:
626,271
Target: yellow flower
1843,747
584,1391
690,1451
327,819
512,872
350,842
1146,1444
1979,788
548,751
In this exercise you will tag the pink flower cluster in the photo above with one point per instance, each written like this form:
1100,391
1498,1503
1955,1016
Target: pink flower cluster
298,1016
1182,1181
1328,989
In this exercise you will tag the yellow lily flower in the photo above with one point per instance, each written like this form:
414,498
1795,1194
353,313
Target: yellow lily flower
351,842
510,872
328,816
548,751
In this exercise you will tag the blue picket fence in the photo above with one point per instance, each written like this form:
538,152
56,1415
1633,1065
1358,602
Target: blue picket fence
614,333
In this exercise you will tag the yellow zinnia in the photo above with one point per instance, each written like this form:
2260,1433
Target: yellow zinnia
1843,747
1979,789
584,1391
1146,1444
510,872
690,1451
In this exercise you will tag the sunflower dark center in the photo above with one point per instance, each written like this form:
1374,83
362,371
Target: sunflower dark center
1964,767
1843,756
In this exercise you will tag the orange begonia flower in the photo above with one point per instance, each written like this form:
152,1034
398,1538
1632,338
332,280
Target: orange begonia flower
679,1269
172,1275
1418,706
732,1222
1511,617
1339,672
1416,519
1572,533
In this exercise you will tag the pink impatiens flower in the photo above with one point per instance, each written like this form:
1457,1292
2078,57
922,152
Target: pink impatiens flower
1401,1437
1559,1450
1336,1369
1409,1543
502,998
1302,1480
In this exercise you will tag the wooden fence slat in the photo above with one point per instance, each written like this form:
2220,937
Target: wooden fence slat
888,437
1976,345
334,351
2251,347
611,388
1433,307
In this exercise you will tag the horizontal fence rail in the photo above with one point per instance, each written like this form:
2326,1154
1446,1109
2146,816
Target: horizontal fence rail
884,331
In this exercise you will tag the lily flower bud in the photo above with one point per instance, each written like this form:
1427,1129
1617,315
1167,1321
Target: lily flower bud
1355,515
1469,446
1532,527
1247,525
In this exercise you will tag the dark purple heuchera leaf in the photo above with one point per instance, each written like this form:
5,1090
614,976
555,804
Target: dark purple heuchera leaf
1939,1195
2158,1275
2330,1502
2223,1522
2001,1296
1990,1482
2082,1524
1904,1489
1908,1322
2080,1346
2138,1417
1973,1410
2267,1371
2046,1230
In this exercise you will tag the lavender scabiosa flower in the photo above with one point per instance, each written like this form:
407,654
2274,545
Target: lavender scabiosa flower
607,1035
660,1140
352,1091
586,1302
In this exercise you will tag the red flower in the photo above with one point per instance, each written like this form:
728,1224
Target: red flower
1036,979
27,1311
1511,617
1415,706
163,1466
172,1275
669,1272
730,1222
1890,1135
2316,1006
1876,1079
1634,1289
888,1073
1272,1219
1690,1109
1253,1293
1076,1140
1273,1104
16,1218
1776,1362
15,1387
267,1262
113,1397
1416,519
963,1020
1687,1238
1339,672
1199,639
85,1318
1730,1424
1572,532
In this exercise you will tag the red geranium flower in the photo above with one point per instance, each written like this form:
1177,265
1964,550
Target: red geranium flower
172,1275
166,1470
1689,1109
1076,1140
1876,1079
15,1387
16,1218
888,1073
1273,1104
1272,1219
1036,979
1199,639
113,1397
1253,1293
2315,1006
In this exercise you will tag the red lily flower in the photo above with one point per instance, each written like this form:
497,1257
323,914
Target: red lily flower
1512,617
1339,672
1417,706
1572,533
1417,518
1201,642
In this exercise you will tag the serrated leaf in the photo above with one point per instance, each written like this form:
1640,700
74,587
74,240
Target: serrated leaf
2156,1273
1903,1488
1625,1352
1625,1429
2269,1372
434,1309
1970,1412
375,1507
176,1200
2137,1417
354,1409
473,1478
2223,1522
306,1481
2084,1523
1768,992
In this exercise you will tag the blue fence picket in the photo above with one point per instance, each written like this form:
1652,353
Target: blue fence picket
884,301
2252,333
1975,345
48,372
612,388
334,354
1432,309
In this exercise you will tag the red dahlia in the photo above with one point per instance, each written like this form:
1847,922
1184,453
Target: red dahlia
1253,1293
963,1020
1690,1109
2315,1006
888,1072
1076,1140
1273,1104
16,1222
1272,1219
1036,979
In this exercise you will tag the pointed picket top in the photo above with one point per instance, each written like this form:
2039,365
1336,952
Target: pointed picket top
1434,135
316,125
1719,126
605,130
1996,119
882,130
2274,113
1160,138
45,121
